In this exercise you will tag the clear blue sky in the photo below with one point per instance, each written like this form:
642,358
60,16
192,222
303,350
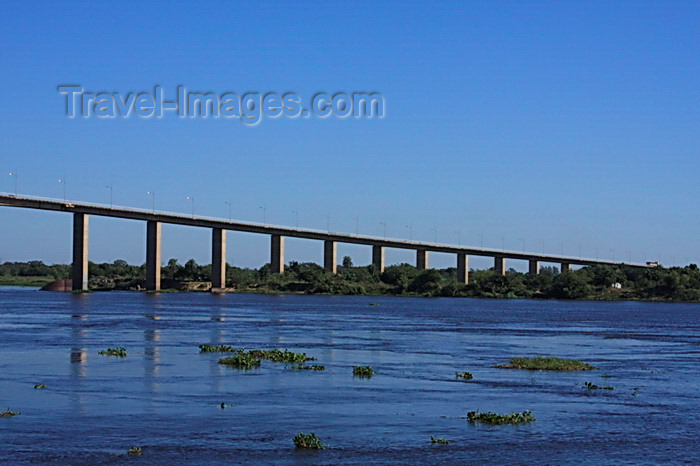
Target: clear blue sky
548,125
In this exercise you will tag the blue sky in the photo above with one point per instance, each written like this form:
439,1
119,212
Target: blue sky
555,126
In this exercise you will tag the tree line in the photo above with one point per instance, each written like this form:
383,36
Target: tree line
593,282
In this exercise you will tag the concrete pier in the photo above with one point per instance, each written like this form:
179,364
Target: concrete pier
277,254
422,259
330,256
80,251
462,268
533,267
153,258
378,257
218,258
565,267
499,265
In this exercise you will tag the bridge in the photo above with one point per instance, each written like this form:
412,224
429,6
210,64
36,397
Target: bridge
154,220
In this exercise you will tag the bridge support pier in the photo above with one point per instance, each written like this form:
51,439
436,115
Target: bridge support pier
277,254
565,267
378,257
218,259
330,256
533,267
80,251
153,258
499,265
462,268
421,259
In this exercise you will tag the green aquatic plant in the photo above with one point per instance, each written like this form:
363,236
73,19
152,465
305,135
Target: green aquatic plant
464,375
302,440
134,451
40,385
541,363
219,349
9,413
240,361
440,440
227,405
363,371
304,367
592,386
278,355
498,419
118,351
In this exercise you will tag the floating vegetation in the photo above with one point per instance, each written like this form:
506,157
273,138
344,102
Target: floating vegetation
240,361
219,349
592,386
302,440
363,371
540,363
227,405
278,355
464,375
134,451
498,419
118,351
440,440
373,304
9,413
40,385
304,367
606,376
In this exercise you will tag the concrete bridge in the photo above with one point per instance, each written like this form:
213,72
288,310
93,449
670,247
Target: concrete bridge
82,212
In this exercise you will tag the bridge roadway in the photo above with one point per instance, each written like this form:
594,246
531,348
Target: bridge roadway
154,219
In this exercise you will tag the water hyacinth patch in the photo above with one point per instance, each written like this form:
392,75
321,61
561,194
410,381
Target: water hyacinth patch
240,361
362,371
499,419
278,355
134,451
304,367
440,440
592,386
40,385
541,363
302,440
219,349
464,375
9,413
118,351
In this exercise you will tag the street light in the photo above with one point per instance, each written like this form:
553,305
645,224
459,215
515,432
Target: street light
523,241
328,223
109,186
410,232
383,224
459,238
296,214
153,200
435,230
228,203
357,225
191,198
15,175
264,209
62,180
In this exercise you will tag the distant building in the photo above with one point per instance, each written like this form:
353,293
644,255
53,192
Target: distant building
617,286
653,264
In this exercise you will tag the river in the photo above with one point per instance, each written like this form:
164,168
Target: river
166,397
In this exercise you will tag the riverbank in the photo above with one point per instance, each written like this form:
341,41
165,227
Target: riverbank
595,283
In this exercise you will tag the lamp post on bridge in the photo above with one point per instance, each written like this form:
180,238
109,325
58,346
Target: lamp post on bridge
296,216
410,232
435,230
153,200
109,186
264,209
191,198
63,180
14,173
228,203
383,224
459,238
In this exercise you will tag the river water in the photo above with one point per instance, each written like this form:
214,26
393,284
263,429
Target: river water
166,397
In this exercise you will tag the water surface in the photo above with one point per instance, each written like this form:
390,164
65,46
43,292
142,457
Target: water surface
166,397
